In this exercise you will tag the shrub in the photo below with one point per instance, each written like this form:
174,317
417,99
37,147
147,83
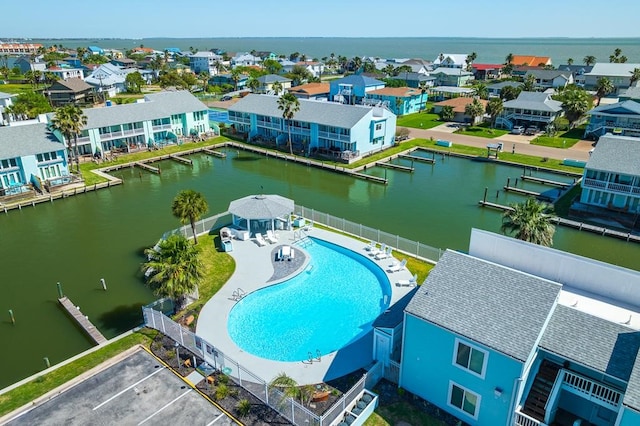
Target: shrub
243,407
224,379
222,391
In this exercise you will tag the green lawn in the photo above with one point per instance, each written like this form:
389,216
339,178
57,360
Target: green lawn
563,140
391,415
483,130
420,120
16,88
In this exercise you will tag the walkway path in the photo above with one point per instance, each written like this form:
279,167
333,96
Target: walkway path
579,151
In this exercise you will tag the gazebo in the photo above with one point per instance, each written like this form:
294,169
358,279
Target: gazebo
259,213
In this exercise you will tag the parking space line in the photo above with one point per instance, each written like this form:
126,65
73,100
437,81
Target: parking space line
168,404
216,419
126,389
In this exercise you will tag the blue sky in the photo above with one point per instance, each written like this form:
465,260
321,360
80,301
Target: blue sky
324,18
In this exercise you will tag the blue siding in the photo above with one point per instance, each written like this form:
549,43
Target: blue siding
428,369
629,417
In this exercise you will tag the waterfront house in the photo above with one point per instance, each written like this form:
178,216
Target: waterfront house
578,72
456,77
157,119
611,178
314,67
550,79
207,62
353,88
459,106
530,109
124,62
419,66
450,60
317,91
267,82
400,100
20,48
6,100
630,94
64,73
621,118
341,132
227,78
27,64
415,79
95,50
530,60
245,59
618,73
513,333
109,78
72,91
486,71
30,155
495,88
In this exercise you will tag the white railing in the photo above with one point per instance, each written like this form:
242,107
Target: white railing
524,420
392,372
333,135
591,390
611,186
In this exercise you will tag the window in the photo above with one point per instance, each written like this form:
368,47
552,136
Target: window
470,358
464,400
378,126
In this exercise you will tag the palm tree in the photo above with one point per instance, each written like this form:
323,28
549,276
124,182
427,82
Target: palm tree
482,91
70,120
235,76
277,88
589,60
570,61
289,105
253,84
508,59
447,113
423,89
494,109
189,206
474,110
174,268
529,84
635,76
529,221
575,102
469,60
603,88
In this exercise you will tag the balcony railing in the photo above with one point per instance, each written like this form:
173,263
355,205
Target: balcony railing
524,420
591,390
530,117
334,136
611,186
155,127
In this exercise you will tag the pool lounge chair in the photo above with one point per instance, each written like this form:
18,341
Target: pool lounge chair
385,254
371,246
271,237
376,251
397,266
261,242
408,283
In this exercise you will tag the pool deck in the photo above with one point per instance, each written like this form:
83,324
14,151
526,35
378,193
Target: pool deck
255,270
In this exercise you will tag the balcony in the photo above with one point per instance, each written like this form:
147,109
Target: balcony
611,186
155,128
334,136
524,420
530,117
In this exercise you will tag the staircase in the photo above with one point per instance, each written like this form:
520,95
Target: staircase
536,401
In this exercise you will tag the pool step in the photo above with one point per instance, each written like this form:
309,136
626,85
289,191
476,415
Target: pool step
304,242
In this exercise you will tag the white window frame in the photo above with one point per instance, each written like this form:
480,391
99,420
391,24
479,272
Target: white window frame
473,347
465,390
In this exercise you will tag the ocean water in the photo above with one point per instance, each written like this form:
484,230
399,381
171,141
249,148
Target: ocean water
489,50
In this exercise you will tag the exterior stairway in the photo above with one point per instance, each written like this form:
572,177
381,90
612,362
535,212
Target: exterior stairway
539,393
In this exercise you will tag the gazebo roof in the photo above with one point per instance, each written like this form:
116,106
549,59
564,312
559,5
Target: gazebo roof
261,207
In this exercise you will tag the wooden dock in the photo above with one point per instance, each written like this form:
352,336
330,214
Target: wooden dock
562,185
521,191
416,158
396,167
147,167
82,320
181,159
494,205
214,153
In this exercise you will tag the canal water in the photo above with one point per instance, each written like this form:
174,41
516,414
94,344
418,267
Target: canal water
102,234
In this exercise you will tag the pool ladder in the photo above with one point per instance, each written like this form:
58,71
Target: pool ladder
313,359
238,294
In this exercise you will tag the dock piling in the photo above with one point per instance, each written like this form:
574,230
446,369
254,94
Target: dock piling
104,284
60,294
484,199
13,319
46,362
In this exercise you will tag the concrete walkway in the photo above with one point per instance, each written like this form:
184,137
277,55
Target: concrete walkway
580,151
255,270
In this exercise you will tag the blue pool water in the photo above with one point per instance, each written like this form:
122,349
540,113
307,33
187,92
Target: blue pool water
324,308
219,116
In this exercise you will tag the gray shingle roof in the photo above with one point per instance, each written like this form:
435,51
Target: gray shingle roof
549,74
272,78
498,307
261,207
613,69
618,108
632,394
327,113
158,105
503,84
535,101
29,139
450,71
393,316
631,93
618,154
599,344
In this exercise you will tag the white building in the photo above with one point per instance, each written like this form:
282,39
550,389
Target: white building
205,62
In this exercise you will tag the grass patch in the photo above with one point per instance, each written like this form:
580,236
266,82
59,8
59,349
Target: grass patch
420,120
390,415
26,393
16,89
483,130
564,140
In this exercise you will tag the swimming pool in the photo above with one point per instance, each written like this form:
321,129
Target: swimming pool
324,308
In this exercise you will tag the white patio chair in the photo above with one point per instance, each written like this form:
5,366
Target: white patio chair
271,237
412,282
385,254
261,242
397,266
377,251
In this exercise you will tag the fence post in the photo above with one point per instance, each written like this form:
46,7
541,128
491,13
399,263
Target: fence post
398,241
293,412
162,321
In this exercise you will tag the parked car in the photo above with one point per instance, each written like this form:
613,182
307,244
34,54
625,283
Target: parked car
531,131
517,130
226,98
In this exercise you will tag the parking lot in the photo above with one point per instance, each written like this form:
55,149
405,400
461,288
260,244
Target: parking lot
137,390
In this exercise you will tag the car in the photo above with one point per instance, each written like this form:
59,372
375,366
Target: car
517,130
531,131
226,98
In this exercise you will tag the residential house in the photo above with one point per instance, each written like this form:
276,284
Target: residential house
341,132
95,50
109,78
618,73
157,119
314,67
521,71
265,54
550,79
226,78
27,64
450,60
142,51
6,100
514,333
440,93
451,76
621,118
611,178
72,91
486,71
123,62
495,88
630,94
30,154
578,72
267,82
207,62
419,66
66,73
532,61
530,109
459,106
287,66
313,91
20,48
113,54
415,79
400,100
353,88
245,59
